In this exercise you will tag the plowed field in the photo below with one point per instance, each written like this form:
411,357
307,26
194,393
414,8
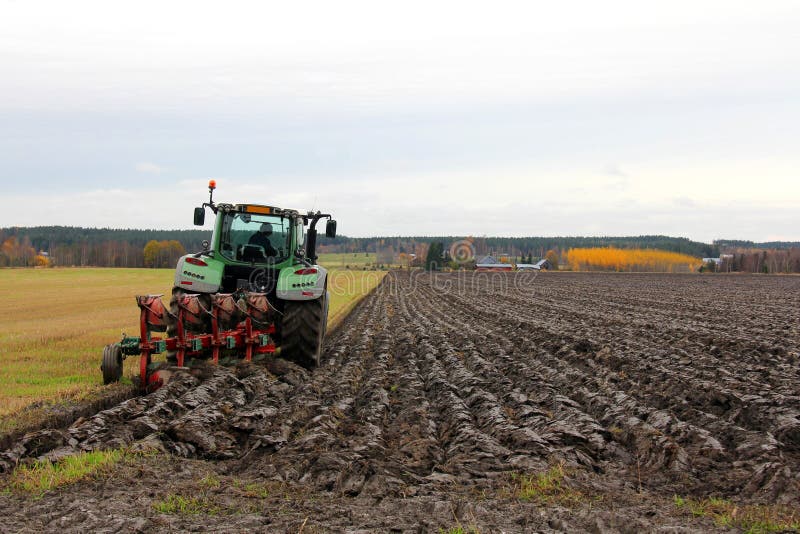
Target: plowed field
442,397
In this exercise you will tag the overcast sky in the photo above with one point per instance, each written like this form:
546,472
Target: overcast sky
490,118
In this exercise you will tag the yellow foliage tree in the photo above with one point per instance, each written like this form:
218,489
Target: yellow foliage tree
162,253
16,253
630,260
552,259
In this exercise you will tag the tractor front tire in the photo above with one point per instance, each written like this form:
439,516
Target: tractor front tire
303,330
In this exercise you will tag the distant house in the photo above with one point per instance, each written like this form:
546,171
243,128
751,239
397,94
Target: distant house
539,265
490,263
715,261
494,267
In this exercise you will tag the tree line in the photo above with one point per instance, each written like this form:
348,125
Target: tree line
68,246
520,246
726,244
755,260
108,247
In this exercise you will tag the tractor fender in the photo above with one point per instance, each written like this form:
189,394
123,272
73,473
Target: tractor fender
302,282
196,277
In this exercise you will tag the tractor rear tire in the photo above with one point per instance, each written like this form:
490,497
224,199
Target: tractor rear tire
325,314
303,330
112,364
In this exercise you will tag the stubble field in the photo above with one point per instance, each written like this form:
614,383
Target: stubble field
494,402
55,323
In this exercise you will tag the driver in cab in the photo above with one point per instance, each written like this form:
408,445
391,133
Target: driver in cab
261,238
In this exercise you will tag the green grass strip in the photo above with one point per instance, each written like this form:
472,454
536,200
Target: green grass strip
44,475
750,518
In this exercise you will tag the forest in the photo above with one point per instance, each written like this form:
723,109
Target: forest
108,247
68,246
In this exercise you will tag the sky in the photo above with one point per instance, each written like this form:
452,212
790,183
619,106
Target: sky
407,118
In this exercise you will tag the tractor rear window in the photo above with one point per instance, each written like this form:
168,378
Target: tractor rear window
255,238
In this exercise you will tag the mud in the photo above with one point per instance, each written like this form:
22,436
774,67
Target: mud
437,388
56,414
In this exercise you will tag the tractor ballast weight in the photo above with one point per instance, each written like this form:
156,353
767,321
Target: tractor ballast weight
251,293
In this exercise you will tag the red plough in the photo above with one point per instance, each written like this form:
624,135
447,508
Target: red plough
238,325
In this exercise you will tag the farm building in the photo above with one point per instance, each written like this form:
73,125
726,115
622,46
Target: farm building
541,264
494,267
490,263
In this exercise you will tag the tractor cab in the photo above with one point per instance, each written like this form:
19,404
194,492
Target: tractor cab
253,247
264,236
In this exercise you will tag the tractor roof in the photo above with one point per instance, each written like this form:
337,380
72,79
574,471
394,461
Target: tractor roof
258,208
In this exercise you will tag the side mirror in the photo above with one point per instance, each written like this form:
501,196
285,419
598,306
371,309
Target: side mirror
330,228
199,216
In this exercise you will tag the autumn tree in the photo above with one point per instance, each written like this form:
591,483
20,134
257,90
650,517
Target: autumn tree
18,253
151,250
162,254
552,259
631,260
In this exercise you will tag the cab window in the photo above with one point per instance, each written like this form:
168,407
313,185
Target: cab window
255,238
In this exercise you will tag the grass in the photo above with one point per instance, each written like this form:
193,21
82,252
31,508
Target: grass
750,518
179,504
548,487
352,260
210,482
257,490
223,496
459,529
56,322
53,407
43,475
347,288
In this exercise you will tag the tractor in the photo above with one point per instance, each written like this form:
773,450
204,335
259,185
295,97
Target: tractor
254,291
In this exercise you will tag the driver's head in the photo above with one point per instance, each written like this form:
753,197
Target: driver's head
266,229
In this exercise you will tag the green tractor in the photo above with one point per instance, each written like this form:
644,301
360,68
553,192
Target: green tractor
254,291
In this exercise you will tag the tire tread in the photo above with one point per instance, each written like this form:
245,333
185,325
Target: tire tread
302,332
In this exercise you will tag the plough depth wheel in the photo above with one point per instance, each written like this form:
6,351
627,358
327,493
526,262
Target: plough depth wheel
112,363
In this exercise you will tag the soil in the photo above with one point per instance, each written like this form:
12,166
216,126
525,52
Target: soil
437,391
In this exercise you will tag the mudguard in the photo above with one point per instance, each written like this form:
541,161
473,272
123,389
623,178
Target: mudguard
301,282
199,275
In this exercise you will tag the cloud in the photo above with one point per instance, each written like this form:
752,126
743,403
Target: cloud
684,202
395,205
617,182
612,169
149,168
